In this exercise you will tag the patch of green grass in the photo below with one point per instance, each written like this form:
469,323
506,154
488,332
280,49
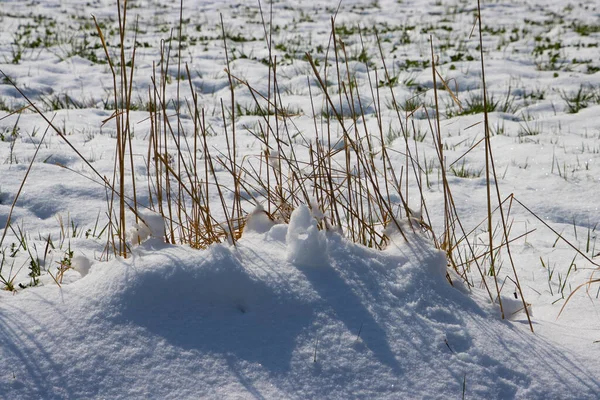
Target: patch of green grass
535,94
474,104
7,278
460,56
408,106
416,64
238,37
526,129
548,55
61,101
256,110
581,99
4,105
391,82
591,69
585,29
411,104
463,171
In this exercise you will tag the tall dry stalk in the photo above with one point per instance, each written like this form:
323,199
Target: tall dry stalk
122,75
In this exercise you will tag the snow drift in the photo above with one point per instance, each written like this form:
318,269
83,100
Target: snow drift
290,312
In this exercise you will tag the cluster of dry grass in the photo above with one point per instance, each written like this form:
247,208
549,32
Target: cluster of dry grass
353,187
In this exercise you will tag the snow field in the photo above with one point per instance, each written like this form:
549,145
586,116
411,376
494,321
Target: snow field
245,321
294,311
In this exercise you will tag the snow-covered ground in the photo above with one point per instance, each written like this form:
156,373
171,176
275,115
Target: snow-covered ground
291,311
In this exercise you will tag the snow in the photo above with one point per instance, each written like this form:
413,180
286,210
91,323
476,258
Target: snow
151,224
293,308
258,221
243,321
306,243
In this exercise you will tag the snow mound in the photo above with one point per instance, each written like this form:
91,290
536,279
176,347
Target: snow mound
151,224
258,221
258,320
306,244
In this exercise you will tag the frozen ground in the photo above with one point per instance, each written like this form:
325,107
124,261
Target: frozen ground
293,312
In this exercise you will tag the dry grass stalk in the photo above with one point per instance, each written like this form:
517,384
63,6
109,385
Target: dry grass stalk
350,188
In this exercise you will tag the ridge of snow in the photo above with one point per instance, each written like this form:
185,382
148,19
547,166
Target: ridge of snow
259,320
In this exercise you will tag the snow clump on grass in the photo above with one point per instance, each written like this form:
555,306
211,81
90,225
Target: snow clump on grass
307,246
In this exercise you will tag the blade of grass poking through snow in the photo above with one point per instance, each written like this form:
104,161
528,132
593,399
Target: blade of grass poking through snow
268,41
558,235
490,167
354,147
488,171
236,212
17,111
161,137
172,186
588,283
50,123
446,242
12,206
346,137
362,194
62,134
119,157
122,89
230,232
324,164
403,132
202,214
181,203
121,140
440,151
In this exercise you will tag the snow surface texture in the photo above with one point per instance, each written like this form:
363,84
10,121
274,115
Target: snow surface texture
252,322
249,321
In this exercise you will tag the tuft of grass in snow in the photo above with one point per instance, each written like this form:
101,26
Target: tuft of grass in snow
463,171
342,169
576,101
